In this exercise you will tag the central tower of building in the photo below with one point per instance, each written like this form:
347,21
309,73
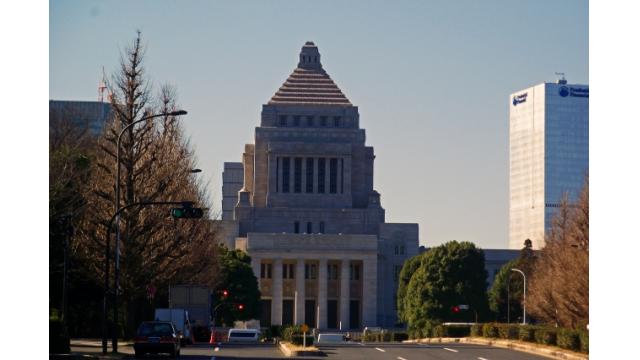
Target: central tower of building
302,204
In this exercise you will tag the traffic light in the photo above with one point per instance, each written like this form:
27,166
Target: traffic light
187,213
455,309
240,307
225,293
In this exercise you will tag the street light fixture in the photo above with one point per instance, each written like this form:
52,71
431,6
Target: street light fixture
117,202
524,297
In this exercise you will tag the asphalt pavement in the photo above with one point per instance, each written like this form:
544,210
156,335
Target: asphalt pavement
443,351
350,351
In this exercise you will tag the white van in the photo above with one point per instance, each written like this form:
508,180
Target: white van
330,339
244,335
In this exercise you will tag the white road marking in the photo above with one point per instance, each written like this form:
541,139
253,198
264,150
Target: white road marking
401,358
380,350
481,358
452,350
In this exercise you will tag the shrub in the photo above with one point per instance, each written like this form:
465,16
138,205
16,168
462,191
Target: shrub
526,333
568,339
545,336
457,331
291,330
400,336
275,330
386,336
297,340
490,330
436,331
58,336
584,341
508,331
476,330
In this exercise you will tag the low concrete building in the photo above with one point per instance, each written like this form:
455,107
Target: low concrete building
302,204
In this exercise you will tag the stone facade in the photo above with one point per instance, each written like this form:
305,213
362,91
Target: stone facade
307,213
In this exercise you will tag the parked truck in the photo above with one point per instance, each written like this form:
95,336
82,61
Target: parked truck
180,319
193,298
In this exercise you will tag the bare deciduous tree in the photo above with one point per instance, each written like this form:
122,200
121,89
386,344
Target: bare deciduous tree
156,163
559,291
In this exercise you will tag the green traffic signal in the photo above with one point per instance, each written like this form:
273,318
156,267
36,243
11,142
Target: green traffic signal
187,213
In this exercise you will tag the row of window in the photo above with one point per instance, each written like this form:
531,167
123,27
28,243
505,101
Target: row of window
283,181
310,271
311,121
296,227
399,249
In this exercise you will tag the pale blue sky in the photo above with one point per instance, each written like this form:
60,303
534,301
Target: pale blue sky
431,80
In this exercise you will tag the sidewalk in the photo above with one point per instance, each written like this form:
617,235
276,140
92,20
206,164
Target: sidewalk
551,352
92,349
97,343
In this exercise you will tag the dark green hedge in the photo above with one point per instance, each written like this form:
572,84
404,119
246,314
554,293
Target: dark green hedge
476,330
386,337
568,339
399,336
546,336
574,340
490,330
297,340
527,333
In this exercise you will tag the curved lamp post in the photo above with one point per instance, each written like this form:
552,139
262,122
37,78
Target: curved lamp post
117,202
524,297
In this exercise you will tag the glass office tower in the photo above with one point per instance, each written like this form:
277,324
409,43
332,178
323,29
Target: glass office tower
548,155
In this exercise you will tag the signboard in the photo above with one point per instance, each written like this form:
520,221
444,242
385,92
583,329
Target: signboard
565,91
519,99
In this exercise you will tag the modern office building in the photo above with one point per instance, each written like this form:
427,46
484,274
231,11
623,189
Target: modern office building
302,204
548,155
90,114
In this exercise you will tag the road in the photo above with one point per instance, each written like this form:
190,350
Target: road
396,351
352,351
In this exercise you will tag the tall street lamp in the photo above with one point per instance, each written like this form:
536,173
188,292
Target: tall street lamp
117,202
524,297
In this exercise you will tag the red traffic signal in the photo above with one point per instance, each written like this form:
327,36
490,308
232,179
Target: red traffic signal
455,309
225,293
240,307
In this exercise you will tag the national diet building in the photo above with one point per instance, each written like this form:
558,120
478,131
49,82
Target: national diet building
302,204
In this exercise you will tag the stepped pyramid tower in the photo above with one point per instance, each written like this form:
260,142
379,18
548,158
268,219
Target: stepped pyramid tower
302,204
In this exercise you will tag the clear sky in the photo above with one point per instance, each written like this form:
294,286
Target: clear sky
431,79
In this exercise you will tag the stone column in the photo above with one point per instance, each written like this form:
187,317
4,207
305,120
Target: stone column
327,172
315,175
276,293
340,167
344,294
322,295
300,293
369,291
303,182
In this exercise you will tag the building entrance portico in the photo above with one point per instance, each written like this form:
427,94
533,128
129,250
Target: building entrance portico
306,285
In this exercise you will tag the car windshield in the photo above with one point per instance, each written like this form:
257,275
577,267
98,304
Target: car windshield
155,329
